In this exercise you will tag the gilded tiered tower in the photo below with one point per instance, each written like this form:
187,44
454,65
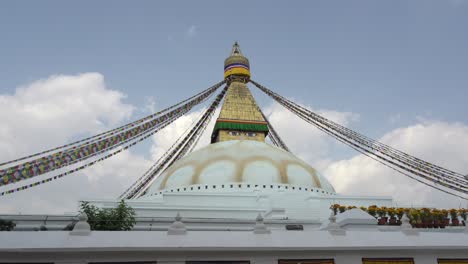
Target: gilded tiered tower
240,117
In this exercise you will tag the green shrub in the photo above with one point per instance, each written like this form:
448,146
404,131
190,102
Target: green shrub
121,218
6,225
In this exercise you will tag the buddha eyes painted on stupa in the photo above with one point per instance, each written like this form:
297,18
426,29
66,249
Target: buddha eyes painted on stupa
247,134
234,133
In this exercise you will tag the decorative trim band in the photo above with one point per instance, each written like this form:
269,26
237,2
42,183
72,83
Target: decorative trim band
240,126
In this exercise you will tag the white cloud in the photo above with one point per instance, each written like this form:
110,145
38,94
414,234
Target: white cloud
50,112
86,107
150,105
184,34
445,144
394,119
165,138
303,139
105,180
191,31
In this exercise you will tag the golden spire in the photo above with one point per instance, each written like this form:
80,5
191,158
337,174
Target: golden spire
239,117
236,50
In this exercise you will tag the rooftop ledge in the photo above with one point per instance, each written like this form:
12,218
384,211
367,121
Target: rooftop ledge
233,240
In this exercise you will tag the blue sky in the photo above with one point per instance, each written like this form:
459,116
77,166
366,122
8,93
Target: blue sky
393,63
376,58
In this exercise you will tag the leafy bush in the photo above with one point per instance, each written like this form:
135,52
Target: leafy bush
121,218
6,225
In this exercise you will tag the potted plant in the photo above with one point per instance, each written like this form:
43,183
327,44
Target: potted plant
454,216
382,212
463,212
426,218
334,208
391,213
342,209
400,212
445,218
436,214
442,217
372,210
415,218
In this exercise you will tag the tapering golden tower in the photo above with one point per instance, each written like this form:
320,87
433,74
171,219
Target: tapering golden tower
240,117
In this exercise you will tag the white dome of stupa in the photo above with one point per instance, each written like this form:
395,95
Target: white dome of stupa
240,161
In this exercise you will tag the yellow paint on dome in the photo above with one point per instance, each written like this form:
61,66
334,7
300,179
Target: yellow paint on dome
240,161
